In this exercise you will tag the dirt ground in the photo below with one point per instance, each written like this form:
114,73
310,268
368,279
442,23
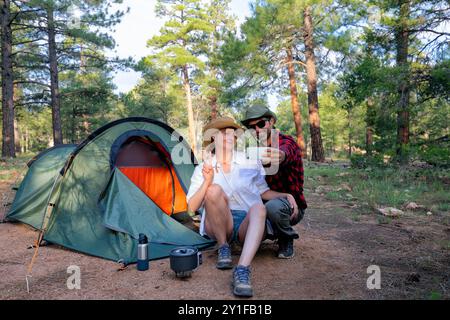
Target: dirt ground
331,261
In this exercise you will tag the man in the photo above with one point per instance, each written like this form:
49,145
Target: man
288,179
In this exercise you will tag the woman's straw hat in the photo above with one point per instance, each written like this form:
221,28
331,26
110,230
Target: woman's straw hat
218,124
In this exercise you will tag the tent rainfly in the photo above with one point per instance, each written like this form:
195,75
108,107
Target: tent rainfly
98,196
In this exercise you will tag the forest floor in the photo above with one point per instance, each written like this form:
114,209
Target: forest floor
341,235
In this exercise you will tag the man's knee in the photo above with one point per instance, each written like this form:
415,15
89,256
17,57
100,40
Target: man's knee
214,193
277,210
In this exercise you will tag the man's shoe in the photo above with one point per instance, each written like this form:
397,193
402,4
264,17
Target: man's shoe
241,282
224,257
285,248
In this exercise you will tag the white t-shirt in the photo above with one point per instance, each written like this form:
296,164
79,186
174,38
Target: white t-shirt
243,185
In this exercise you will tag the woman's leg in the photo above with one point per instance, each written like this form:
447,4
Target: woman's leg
251,232
218,220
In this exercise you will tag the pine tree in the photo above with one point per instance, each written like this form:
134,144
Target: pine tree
179,45
8,148
52,42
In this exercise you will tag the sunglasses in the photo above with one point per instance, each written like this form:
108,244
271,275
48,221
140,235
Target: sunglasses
260,124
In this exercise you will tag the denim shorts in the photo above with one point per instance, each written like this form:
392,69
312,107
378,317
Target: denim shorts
238,217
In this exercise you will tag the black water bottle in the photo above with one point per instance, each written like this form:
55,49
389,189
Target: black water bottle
142,259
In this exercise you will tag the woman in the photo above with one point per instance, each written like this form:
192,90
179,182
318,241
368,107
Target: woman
230,190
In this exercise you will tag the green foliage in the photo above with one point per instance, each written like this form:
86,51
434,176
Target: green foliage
86,100
181,37
156,96
358,75
35,128
285,119
383,186
363,161
436,155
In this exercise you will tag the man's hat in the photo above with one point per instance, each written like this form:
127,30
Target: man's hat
256,112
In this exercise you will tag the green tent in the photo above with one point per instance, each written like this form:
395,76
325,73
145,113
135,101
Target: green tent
130,176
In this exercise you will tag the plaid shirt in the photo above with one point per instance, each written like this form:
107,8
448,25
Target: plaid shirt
290,176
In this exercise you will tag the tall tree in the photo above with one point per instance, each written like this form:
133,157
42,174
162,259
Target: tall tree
179,45
8,147
54,82
402,45
221,22
52,41
294,101
311,78
271,35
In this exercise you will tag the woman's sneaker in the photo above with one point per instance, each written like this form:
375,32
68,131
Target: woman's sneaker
285,248
242,286
224,257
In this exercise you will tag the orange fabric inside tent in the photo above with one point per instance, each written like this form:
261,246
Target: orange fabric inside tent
156,183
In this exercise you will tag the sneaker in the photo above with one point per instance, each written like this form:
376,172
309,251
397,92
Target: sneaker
285,248
224,257
241,282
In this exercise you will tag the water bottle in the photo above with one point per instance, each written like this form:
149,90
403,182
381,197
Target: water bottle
142,259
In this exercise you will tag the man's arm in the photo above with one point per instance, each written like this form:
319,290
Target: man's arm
290,149
286,152
270,195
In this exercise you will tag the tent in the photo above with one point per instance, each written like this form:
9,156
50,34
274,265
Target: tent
96,197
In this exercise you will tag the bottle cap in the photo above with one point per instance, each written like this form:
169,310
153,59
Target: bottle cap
143,238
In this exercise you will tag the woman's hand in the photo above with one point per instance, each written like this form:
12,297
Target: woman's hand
208,170
294,206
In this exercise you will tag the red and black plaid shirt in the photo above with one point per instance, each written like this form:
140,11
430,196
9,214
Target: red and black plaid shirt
290,176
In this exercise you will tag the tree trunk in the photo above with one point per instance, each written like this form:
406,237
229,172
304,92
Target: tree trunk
54,83
402,40
311,78
370,114
16,135
8,147
86,126
294,102
27,140
214,108
191,122
349,119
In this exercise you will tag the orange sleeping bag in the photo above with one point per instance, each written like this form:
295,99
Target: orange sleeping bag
156,183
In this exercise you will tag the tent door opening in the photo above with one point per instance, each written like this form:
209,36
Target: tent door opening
148,165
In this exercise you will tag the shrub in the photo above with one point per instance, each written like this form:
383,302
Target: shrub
436,155
365,161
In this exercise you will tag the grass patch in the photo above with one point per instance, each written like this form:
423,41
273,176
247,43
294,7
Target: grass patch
334,195
383,187
356,217
435,295
384,220
11,168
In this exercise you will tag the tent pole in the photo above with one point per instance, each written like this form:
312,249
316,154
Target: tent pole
41,232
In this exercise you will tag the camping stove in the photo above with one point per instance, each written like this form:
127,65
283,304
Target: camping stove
184,260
